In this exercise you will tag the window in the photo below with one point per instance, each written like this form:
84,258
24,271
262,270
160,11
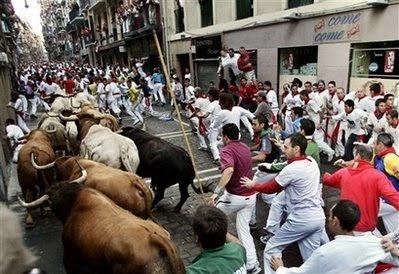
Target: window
245,8
298,61
179,17
376,60
298,3
206,7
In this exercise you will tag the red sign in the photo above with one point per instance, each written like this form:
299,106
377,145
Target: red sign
389,61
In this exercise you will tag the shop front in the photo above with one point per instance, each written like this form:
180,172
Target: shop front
143,48
375,62
206,60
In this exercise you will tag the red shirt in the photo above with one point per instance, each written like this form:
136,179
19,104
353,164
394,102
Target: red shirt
364,185
69,86
238,156
243,62
247,94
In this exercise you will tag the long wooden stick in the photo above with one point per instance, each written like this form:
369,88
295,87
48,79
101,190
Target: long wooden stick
172,94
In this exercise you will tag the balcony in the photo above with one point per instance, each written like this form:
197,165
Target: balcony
147,20
96,3
75,15
70,28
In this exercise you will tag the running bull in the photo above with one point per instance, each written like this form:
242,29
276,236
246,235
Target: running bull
38,150
164,162
126,189
100,237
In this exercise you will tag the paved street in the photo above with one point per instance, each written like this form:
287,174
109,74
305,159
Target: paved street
45,238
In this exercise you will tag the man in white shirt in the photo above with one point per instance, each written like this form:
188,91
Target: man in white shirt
392,127
188,94
102,94
200,105
346,253
363,102
229,61
209,116
112,91
338,128
14,132
243,115
355,120
271,97
306,220
17,104
376,121
139,66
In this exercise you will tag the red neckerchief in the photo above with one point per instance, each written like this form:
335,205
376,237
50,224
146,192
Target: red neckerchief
361,98
307,99
378,114
387,151
298,158
388,109
375,95
341,100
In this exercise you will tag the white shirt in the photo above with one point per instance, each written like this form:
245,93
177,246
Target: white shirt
231,62
201,103
366,104
316,97
239,112
14,132
101,88
139,67
222,118
187,76
345,254
377,124
300,180
395,133
271,97
189,93
324,97
112,90
51,89
149,82
354,121
213,109
312,109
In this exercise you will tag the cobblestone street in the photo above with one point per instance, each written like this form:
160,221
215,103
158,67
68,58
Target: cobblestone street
45,238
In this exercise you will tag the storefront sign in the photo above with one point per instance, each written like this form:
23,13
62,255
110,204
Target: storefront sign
338,28
208,47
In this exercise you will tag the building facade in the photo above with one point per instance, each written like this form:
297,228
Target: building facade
352,42
114,32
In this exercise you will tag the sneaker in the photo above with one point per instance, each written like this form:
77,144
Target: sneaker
203,148
254,270
216,162
265,238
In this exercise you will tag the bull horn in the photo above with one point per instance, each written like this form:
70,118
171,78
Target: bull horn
23,137
32,158
35,203
69,118
82,178
51,131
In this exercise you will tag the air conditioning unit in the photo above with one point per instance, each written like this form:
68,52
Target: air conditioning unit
378,3
293,16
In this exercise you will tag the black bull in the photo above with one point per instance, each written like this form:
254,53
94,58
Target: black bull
164,162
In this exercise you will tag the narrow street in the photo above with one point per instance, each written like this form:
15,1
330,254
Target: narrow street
45,238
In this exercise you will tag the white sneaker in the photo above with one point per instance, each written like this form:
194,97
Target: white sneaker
330,157
254,270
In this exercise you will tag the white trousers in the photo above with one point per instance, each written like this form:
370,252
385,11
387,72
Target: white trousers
339,147
243,206
389,215
133,110
113,105
323,146
21,123
102,102
33,105
213,143
201,138
158,94
306,230
263,177
248,126
44,104
15,153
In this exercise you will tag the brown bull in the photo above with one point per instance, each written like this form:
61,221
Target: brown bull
100,237
38,150
126,189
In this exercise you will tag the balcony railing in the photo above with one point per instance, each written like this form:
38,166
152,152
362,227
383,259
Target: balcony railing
75,15
70,28
146,20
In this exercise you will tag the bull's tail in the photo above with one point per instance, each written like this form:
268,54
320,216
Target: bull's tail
130,157
170,261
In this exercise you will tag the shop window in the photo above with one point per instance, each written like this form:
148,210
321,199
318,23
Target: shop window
245,8
379,60
206,7
298,61
179,16
298,3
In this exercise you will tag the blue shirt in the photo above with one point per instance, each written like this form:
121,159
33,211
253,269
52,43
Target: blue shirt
296,126
158,78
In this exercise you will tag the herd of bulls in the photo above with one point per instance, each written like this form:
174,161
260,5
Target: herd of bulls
96,190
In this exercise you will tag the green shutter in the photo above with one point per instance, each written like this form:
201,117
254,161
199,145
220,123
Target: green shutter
206,12
244,9
298,3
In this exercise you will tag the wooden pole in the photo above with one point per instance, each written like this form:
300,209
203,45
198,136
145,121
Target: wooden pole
172,95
